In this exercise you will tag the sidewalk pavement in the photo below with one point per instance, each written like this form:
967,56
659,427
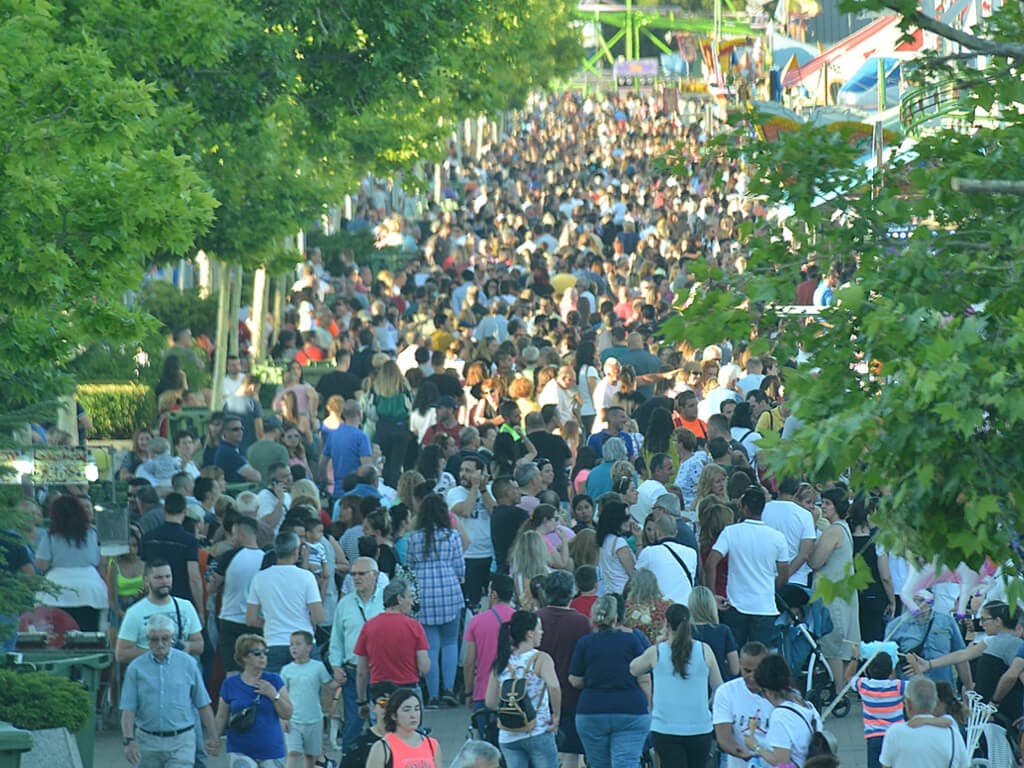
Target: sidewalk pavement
449,726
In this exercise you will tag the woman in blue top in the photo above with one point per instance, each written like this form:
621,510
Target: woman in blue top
264,742
681,724
434,554
612,713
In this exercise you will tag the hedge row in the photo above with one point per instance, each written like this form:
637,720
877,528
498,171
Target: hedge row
117,410
37,700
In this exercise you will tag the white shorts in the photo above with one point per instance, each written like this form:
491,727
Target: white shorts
305,738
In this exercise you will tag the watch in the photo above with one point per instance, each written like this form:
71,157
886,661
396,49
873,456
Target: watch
126,740
278,696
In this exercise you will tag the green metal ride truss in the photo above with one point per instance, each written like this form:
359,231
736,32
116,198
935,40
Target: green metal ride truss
631,22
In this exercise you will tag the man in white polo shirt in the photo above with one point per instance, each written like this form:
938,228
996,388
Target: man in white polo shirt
758,565
796,525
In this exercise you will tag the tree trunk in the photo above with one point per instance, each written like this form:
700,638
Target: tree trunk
259,310
220,351
235,282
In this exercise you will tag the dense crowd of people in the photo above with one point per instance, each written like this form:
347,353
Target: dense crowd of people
507,472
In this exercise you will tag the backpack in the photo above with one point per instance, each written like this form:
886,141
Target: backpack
516,712
393,408
819,744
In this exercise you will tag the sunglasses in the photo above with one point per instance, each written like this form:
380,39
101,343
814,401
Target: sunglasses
258,652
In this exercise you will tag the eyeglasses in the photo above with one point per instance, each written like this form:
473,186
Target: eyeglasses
232,429
361,573
983,619
258,652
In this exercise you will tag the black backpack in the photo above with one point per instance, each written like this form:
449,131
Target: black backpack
516,712
819,743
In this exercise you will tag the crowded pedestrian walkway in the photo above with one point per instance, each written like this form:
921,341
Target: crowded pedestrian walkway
505,493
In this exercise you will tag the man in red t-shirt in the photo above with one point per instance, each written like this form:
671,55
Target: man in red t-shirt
446,421
392,646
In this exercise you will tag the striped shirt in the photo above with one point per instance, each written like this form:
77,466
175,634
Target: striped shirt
882,704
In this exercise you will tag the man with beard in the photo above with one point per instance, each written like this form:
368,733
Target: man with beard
132,640
471,501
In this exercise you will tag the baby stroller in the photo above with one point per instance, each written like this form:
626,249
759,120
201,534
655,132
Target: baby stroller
800,623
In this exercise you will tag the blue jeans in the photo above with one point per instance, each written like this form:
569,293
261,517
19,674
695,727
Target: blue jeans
537,751
443,640
748,627
875,752
613,740
353,723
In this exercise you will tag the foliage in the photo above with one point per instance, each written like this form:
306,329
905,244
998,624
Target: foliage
37,700
360,244
284,105
117,409
174,309
913,379
90,189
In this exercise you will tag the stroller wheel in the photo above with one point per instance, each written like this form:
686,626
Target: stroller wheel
842,708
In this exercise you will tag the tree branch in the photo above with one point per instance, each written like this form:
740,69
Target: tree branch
996,48
987,186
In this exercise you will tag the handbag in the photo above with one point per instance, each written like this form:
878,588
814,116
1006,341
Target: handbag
243,720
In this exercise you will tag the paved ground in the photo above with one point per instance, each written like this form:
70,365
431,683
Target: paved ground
449,725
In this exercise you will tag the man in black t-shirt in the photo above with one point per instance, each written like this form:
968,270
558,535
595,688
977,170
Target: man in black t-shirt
506,519
339,381
540,428
171,542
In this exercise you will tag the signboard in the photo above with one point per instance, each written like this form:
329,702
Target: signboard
59,465
641,72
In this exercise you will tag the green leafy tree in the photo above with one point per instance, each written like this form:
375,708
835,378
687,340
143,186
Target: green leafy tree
913,379
90,191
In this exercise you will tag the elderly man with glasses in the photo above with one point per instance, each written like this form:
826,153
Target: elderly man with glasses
161,690
353,611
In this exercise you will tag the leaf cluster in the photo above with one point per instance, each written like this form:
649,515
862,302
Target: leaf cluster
37,700
913,381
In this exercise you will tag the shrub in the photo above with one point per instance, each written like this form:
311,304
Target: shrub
117,410
174,308
37,700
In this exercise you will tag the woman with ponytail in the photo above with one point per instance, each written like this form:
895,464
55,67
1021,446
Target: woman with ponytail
683,668
518,657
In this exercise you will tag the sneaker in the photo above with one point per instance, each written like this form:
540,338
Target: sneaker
448,699
432,704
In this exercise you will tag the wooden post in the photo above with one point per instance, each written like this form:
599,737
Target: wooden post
220,352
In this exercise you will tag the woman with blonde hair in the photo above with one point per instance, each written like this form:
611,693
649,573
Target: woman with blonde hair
708,629
335,405
391,399
713,483
612,712
528,559
645,605
624,481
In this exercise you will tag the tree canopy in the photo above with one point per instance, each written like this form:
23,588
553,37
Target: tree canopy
913,380
140,130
